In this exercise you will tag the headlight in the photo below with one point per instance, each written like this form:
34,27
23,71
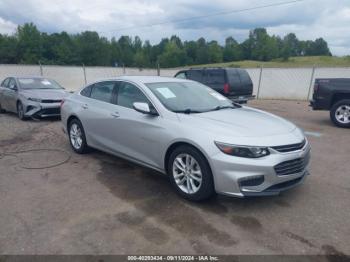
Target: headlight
243,151
35,99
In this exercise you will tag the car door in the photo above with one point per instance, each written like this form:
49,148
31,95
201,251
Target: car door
10,96
138,134
97,112
3,88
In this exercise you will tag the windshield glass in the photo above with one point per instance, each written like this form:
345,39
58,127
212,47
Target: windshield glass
38,83
190,97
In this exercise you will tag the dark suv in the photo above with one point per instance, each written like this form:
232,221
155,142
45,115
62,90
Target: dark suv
333,94
233,83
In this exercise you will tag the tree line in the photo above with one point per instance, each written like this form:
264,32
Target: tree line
29,46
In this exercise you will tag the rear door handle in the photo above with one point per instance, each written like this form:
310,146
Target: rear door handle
115,114
85,106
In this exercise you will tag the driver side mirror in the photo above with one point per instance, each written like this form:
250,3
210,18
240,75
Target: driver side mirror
144,108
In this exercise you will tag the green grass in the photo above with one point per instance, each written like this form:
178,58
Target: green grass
306,61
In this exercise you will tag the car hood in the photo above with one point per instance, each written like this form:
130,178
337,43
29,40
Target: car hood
243,122
54,94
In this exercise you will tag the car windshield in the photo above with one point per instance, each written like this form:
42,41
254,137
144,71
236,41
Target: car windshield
38,83
189,97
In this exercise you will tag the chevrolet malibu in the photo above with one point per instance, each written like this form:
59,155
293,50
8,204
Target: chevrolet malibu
200,139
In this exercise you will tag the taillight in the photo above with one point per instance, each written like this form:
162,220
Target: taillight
226,88
316,86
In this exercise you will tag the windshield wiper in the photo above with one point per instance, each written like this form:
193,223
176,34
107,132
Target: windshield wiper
224,107
188,111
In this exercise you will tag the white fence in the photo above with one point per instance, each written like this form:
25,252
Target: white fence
269,83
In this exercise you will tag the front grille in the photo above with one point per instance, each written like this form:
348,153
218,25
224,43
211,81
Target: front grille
49,111
290,148
292,166
48,101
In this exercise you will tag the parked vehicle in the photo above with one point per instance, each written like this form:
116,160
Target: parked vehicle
234,83
202,140
31,97
333,94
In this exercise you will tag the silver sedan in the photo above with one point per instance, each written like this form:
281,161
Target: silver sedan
203,141
31,97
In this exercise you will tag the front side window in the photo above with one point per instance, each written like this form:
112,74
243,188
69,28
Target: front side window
38,83
12,84
103,91
188,97
195,75
128,94
181,75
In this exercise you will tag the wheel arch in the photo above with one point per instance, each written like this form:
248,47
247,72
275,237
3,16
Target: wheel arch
338,97
175,145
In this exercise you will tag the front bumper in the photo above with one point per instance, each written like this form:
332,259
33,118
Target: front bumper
236,176
43,110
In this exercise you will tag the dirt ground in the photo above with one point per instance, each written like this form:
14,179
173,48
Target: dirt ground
101,204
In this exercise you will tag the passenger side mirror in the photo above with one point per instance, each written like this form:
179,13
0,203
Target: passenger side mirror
144,108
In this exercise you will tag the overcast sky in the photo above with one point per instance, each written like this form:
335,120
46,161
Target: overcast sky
309,19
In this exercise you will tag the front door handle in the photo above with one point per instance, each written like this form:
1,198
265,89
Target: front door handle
85,106
115,114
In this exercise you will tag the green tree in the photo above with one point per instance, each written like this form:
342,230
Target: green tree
232,50
29,46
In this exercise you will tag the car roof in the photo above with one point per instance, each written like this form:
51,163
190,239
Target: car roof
148,79
28,76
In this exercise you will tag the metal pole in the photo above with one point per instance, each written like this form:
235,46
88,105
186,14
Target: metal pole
84,74
41,69
311,82
158,69
260,77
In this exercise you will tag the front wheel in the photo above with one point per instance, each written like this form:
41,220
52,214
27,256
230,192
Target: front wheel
340,113
190,174
20,111
77,137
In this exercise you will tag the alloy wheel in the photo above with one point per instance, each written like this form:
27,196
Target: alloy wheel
187,173
342,114
76,136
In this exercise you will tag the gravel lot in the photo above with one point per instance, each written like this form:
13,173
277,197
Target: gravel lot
100,204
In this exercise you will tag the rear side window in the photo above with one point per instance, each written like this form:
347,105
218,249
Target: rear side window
5,83
215,77
245,78
103,91
196,75
86,91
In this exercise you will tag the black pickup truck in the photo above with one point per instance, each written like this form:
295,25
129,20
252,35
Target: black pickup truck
333,94
234,83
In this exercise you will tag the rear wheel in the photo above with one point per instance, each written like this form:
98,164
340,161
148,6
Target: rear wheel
20,111
190,174
77,137
340,113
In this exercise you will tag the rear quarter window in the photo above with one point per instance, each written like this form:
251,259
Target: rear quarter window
245,78
86,91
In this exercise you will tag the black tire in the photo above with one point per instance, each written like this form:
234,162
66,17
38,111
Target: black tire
20,111
206,189
83,147
334,114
